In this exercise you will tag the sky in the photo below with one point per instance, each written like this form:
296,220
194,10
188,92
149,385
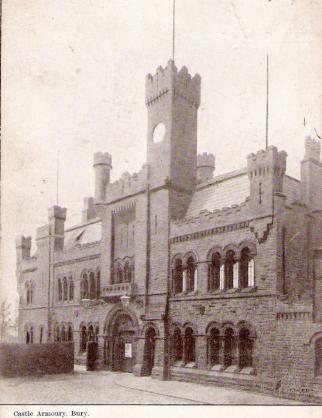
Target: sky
73,77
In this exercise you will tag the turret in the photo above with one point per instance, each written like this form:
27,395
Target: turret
57,217
311,174
266,171
205,167
23,246
89,211
102,166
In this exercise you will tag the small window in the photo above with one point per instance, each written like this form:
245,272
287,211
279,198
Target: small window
191,267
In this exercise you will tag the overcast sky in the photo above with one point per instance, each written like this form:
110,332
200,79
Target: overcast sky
73,77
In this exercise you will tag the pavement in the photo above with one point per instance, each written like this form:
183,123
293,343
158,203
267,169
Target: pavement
105,387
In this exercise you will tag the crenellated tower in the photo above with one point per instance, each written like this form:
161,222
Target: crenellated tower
266,170
172,100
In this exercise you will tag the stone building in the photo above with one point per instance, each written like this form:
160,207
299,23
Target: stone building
182,274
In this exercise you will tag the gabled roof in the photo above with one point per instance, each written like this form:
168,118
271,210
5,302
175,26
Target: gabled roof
83,234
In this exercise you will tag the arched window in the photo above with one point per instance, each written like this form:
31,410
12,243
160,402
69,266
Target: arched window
91,336
98,284
127,272
246,268
27,337
318,357
31,335
60,291
71,289
214,346
119,274
65,289
63,334
27,293
245,348
92,286
229,269
84,287
189,346
178,276
31,290
191,267
97,331
70,333
57,334
177,345
214,272
228,347
83,339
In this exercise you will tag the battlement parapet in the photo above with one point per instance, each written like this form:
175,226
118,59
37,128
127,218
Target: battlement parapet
206,160
57,212
127,185
170,79
207,219
270,161
102,158
23,242
312,149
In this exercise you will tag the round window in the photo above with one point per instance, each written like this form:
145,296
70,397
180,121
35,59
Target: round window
159,132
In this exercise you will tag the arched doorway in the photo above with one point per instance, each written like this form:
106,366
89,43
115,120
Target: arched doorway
123,343
149,348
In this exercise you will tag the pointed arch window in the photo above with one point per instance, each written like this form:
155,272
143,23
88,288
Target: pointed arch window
31,335
214,272
57,333
91,335
119,274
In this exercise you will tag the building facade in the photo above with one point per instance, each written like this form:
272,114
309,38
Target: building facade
181,274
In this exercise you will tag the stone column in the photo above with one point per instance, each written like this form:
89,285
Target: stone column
184,281
160,370
99,363
236,275
222,277
195,279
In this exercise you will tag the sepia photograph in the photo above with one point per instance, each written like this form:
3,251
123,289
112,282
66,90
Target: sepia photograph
161,204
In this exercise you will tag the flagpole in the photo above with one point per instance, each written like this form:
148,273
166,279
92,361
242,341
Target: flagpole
267,102
173,27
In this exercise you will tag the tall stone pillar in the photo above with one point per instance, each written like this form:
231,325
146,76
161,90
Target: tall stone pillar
201,351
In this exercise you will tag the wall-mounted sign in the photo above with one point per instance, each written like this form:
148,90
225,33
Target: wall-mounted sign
128,350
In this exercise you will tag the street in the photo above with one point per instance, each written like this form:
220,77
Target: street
105,387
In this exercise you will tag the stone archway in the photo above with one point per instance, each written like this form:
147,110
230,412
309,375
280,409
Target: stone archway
121,329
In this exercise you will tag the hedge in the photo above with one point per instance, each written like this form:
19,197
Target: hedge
36,359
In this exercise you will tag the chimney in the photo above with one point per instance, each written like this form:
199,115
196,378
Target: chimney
57,217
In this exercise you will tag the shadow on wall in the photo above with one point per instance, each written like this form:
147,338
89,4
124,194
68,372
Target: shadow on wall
36,359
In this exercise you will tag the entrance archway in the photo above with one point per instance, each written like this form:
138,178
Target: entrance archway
149,349
121,330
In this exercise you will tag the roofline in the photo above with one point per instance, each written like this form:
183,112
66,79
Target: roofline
222,177
81,225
